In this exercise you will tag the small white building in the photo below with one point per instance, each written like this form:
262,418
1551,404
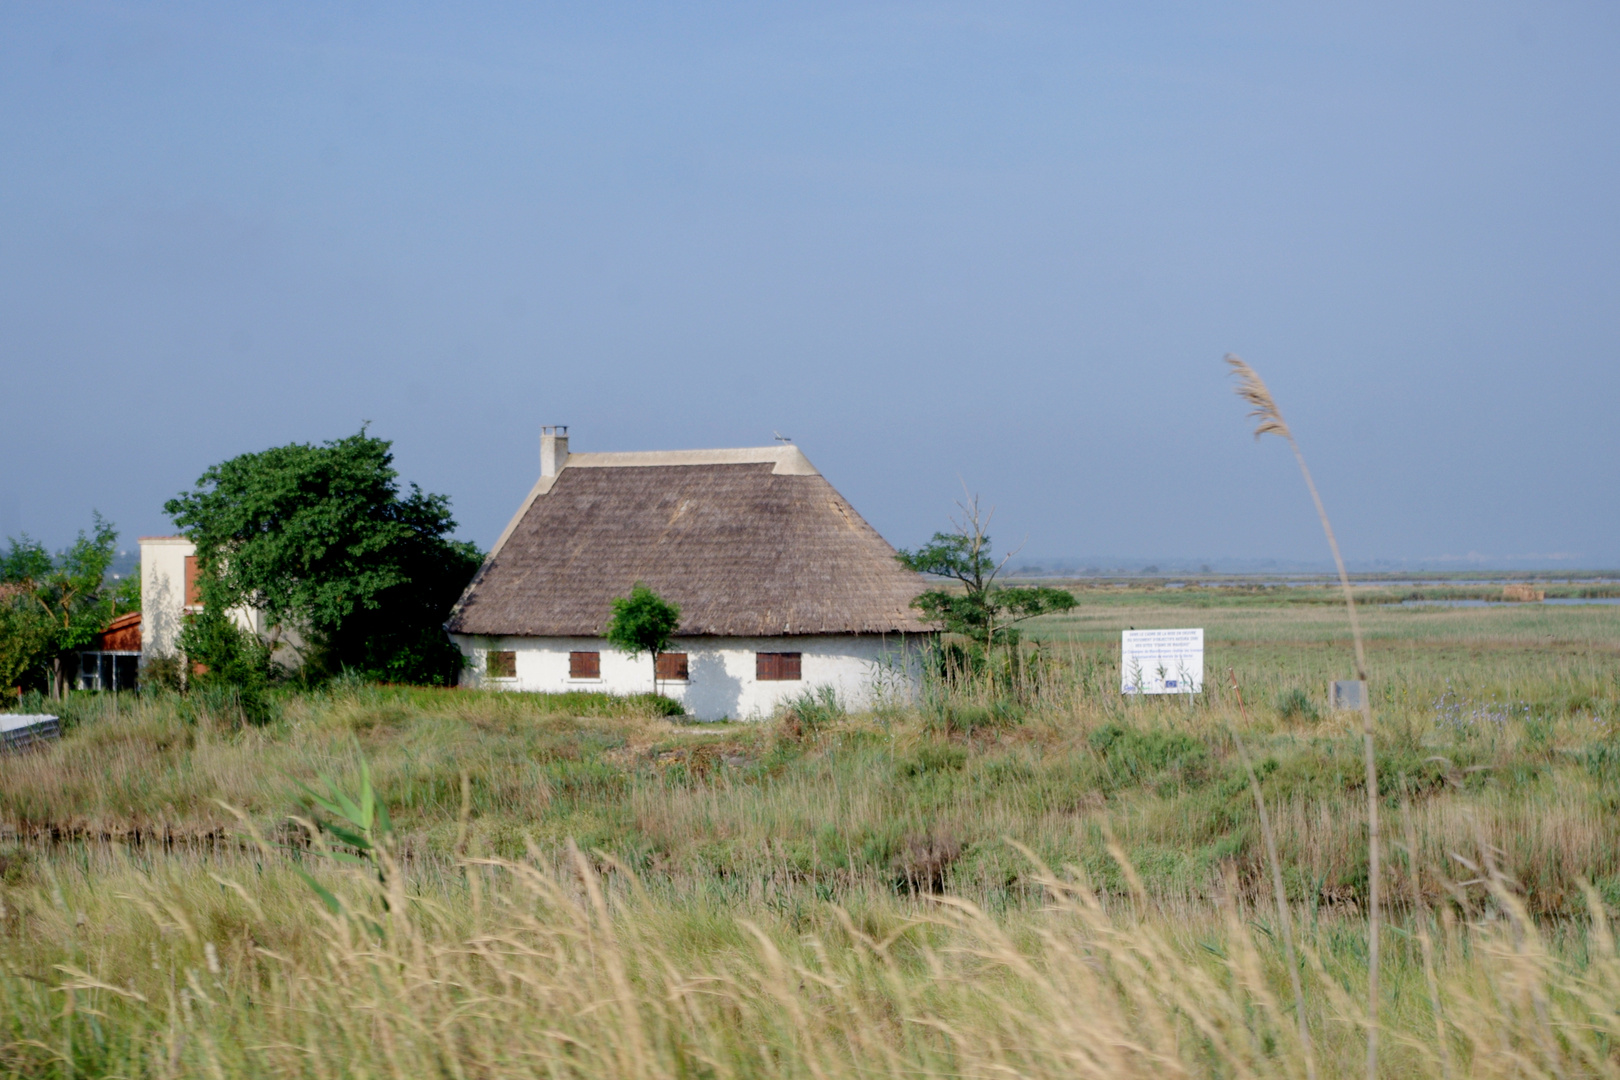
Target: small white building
782,586
169,593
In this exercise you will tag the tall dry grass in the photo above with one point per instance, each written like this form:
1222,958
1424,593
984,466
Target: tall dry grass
871,799
567,968
826,899
1252,389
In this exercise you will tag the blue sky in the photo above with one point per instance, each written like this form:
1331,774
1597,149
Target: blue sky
1004,245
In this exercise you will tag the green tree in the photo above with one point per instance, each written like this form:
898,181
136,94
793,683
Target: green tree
981,610
643,622
320,539
25,639
26,561
50,607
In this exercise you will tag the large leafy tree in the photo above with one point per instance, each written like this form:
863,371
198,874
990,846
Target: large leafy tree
977,608
52,605
321,539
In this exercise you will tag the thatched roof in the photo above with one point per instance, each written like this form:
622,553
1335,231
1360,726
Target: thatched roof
747,542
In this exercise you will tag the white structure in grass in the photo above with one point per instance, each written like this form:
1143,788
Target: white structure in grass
169,594
782,587
168,588
21,731
722,672
1161,661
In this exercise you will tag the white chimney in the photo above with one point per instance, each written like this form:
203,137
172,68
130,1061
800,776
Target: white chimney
553,449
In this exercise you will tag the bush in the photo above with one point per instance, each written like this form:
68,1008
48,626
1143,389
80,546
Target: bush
922,863
1602,760
931,758
957,718
657,703
817,707
1295,704
32,702
586,780
233,669
162,673
1134,756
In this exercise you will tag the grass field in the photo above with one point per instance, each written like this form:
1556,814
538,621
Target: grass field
1057,881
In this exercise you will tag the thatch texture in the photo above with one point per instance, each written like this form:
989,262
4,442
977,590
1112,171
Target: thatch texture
745,550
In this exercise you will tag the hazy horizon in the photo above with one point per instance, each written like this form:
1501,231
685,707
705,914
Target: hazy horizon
937,245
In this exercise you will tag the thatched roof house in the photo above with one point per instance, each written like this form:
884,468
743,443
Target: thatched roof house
761,553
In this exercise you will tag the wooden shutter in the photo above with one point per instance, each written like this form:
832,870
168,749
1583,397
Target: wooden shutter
584,665
672,666
193,596
501,665
778,666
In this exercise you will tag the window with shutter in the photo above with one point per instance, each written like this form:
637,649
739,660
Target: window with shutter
777,666
193,595
501,665
584,665
672,666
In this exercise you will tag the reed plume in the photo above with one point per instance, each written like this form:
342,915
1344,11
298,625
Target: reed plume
1269,421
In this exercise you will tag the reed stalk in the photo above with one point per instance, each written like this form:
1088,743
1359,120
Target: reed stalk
1425,943
1263,409
1279,890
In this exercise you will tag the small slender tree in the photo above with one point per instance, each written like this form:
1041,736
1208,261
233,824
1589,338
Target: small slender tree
56,605
643,622
980,610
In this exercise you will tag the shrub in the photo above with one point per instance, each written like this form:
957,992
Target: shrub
14,865
657,703
1295,704
964,718
162,673
921,864
586,780
1134,756
234,669
1602,760
816,708
931,757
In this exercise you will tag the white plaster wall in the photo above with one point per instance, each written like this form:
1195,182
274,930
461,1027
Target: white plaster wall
163,592
163,596
861,668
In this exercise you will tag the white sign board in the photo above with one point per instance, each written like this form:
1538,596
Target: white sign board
1161,661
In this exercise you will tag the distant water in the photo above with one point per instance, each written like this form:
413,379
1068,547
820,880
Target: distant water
1564,600
1415,583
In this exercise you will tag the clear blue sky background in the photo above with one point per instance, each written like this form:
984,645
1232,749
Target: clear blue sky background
1006,243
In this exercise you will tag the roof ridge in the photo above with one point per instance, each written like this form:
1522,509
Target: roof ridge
788,459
